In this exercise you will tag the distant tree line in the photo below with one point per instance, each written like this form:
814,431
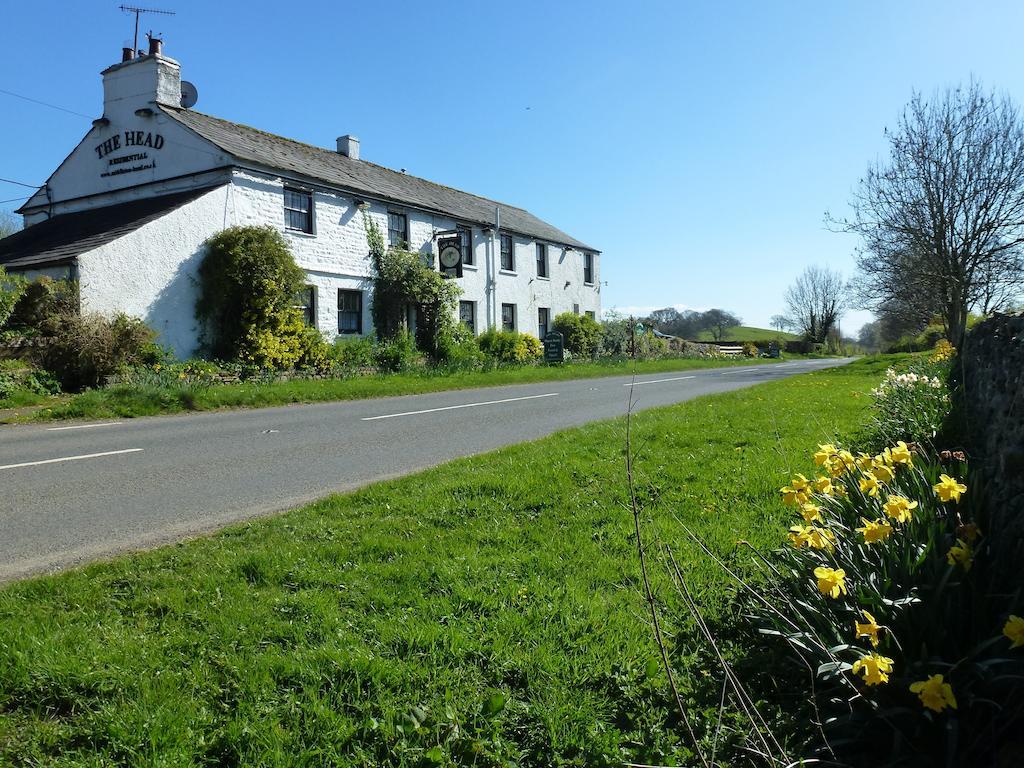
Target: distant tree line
689,324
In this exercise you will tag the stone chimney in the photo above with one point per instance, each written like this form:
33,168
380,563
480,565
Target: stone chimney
141,81
348,145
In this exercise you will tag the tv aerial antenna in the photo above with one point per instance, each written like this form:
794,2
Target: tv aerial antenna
138,11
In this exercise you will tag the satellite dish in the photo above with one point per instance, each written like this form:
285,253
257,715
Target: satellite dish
189,95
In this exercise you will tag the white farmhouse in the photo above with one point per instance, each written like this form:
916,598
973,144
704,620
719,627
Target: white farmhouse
128,211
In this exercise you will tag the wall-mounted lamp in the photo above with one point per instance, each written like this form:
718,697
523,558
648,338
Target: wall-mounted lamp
362,205
569,248
144,112
568,283
100,122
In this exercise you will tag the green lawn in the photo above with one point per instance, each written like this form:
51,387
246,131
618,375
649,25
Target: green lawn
747,333
482,613
126,402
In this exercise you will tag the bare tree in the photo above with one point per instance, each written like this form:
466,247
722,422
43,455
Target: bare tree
9,224
780,322
717,321
942,220
816,302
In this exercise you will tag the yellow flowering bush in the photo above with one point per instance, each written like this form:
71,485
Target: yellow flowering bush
878,592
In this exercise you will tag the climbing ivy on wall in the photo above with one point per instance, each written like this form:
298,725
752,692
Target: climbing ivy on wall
248,282
401,279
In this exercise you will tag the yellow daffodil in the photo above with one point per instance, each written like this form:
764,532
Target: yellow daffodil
874,667
823,485
949,488
900,508
811,512
794,497
883,473
835,466
875,530
1014,630
969,532
799,483
868,629
961,553
831,582
864,462
839,491
824,453
821,538
935,693
798,535
844,462
869,484
900,454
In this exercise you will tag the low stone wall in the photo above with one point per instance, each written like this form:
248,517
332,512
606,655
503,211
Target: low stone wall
989,381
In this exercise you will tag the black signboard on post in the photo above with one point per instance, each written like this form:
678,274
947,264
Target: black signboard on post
450,256
554,347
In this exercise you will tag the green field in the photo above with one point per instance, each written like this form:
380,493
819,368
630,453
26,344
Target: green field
484,613
127,402
747,333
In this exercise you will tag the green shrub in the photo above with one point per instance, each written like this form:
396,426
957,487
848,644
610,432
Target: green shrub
582,333
750,349
509,346
248,281
353,352
11,289
457,348
43,298
82,350
397,353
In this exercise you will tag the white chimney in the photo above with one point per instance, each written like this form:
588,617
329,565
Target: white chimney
141,81
348,145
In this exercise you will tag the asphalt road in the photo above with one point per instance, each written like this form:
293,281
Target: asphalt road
76,492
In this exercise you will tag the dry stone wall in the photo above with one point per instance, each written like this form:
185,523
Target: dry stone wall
990,415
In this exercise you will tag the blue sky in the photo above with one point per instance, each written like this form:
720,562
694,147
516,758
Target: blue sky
698,145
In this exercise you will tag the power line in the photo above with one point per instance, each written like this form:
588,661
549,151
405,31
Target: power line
21,183
13,199
43,103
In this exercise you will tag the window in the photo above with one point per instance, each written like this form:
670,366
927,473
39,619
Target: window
298,210
542,322
508,317
588,268
398,230
305,302
542,260
467,314
350,311
466,244
592,315
575,309
508,259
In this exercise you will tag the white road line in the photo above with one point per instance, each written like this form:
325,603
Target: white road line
656,381
70,458
85,426
740,370
454,407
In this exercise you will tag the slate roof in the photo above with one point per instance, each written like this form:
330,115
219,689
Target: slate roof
359,176
59,240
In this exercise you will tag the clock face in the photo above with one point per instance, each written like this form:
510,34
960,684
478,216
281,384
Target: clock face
450,256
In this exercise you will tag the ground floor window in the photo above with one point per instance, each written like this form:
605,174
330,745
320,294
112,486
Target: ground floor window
305,302
467,314
543,322
350,311
508,317
575,309
592,315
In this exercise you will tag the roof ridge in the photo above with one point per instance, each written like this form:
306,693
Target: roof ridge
333,153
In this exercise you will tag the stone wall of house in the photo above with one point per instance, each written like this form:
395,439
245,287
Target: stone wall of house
990,415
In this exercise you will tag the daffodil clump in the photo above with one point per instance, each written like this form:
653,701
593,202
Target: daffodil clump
873,536
911,404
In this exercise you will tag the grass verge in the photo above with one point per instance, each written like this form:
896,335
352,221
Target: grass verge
128,402
481,613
